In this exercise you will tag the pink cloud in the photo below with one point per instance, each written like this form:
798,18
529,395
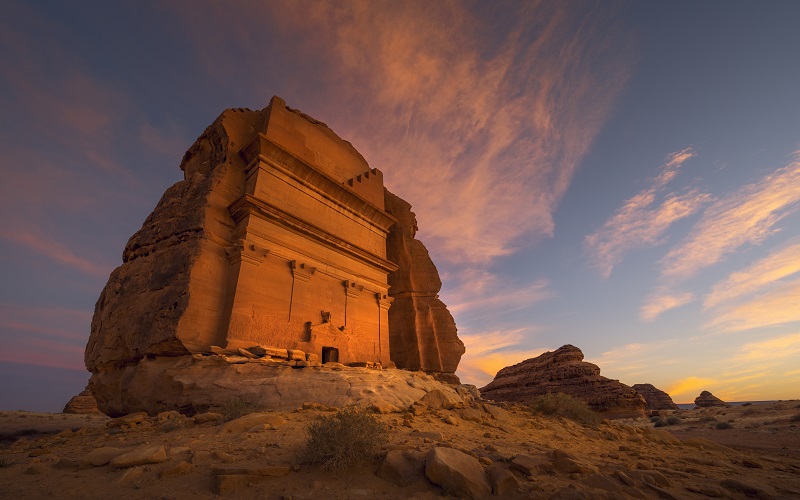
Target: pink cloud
480,131
56,251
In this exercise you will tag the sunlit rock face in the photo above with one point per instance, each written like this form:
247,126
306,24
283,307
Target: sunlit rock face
564,371
706,400
277,237
423,332
656,398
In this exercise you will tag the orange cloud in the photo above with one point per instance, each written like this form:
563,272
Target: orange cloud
662,301
488,352
748,216
778,306
55,251
772,349
481,131
638,224
779,264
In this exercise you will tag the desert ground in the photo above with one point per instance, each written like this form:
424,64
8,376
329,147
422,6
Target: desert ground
528,455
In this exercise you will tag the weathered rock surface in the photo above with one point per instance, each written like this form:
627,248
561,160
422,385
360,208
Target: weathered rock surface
199,383
656,398
564,371
276,237
82,403
422,331
457,473
706,399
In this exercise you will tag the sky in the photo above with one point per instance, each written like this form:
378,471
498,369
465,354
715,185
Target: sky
619,176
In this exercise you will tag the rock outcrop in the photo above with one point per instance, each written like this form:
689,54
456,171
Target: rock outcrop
656,398
706,400
82,403
564,371
422,331
278,236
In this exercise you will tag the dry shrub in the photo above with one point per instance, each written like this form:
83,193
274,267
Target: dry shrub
795,418
237,407
724,425
564,405
5,462
341,440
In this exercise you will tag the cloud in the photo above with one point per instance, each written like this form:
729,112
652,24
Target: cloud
663,300
55,251
479,293
489,352
747,216
772,349
639,223
779,264
775,307
634,360
481,130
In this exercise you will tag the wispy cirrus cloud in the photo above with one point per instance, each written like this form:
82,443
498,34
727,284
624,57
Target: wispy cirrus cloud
747,216
779,264
662,300
775,307
771,349
642,222
481,130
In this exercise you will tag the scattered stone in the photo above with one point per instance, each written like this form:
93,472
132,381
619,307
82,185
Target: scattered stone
748,487
246,353
265,470
441,398
101,456
402,467
599,481
566,462
529,466
178,469
202,418
130,475
128,420
227,483
251,420
503,481
223,456
143,455
457,473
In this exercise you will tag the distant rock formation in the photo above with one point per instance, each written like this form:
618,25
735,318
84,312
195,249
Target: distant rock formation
656,398
82,403
564,370
422,331
279,236
707,400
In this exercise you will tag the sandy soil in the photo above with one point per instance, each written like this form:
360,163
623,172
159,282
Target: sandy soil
41,455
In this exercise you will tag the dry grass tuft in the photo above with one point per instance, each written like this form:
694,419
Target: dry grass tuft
564,405
341,440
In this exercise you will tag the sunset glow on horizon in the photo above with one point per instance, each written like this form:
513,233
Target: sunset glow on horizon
619,176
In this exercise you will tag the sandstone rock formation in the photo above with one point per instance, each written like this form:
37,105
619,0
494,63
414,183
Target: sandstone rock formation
422,331
278,237
656,398
564,371
82,403
706,400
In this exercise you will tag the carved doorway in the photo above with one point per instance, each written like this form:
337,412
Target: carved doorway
330,354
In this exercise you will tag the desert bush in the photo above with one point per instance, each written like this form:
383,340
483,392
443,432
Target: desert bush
795,418
708,418
340,440
238,407
654,419
673,420
5,462
723,425
660,423
564,405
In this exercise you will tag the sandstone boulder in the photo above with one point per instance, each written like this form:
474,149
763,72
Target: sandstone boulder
656,399
706,400
83,403
564,371
457,473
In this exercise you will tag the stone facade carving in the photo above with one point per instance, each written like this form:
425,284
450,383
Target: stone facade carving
277,236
